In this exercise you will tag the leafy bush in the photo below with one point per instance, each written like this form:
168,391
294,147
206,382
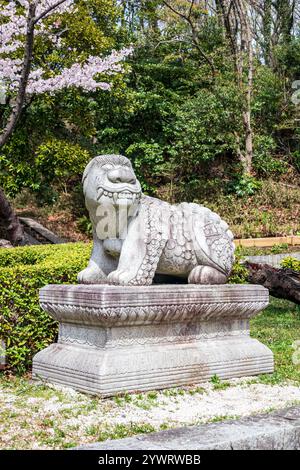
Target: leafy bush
59,160
147,159
239,273
291,263
17,168
204,128
85,225
264,162
24,326
59,165
244,186
279,248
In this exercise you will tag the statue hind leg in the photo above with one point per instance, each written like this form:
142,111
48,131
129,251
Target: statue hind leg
206,275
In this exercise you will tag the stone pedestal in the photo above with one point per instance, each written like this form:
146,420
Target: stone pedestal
115,339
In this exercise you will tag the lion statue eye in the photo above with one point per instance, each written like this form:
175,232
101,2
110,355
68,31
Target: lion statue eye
107,166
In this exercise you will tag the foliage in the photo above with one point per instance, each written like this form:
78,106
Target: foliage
148,160
264,162
85,225
69,114
291,263
244,186
263,251
203,129
296,159
273,210
58,161
239,273
269,106
24,326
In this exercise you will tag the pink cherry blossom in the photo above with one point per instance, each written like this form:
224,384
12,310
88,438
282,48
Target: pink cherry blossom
13,26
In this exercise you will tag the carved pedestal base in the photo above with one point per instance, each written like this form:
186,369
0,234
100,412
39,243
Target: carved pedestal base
115,339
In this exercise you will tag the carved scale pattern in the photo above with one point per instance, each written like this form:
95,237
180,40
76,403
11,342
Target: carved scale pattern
155,241
169,242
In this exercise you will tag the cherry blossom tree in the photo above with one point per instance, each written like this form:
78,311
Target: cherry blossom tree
22,22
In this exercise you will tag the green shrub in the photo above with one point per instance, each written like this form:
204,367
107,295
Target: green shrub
239,273
59,165
24,326
291,263
264,162
203,129
296,159
244,186
59,161
85,225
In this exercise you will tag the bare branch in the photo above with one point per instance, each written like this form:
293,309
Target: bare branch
191,8
48,10
175,11
194,33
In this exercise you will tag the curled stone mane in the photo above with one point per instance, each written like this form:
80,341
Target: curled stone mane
114,159
102,160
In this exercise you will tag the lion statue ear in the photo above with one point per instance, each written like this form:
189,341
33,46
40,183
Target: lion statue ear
87,170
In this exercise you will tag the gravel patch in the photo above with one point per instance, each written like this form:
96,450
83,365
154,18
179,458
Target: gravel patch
54,417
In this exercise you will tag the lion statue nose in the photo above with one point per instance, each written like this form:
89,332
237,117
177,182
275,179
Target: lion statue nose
121,175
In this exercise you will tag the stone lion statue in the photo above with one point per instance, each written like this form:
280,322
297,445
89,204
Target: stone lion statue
137,237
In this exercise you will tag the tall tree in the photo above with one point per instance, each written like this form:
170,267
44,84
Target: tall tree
236,18
276,22
236,21
191,11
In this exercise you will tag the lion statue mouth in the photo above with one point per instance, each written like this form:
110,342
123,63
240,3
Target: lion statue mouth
121,195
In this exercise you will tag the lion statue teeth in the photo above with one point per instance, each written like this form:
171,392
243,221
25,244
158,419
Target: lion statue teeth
137,237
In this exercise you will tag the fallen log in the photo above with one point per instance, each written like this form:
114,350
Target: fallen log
282,283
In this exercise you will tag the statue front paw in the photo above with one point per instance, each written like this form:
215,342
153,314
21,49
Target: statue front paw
92,275
122,277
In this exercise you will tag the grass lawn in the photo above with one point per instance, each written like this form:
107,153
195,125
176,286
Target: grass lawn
278,327
37,416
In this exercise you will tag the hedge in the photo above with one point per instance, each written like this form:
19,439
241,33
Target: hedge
24,326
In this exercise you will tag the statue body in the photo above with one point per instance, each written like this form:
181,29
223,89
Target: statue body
136,236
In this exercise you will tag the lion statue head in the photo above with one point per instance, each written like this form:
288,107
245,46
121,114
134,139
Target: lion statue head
110,180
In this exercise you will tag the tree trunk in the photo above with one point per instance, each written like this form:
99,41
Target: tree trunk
236,21
8,218
281,283
247,47
248,155
267,31
11,222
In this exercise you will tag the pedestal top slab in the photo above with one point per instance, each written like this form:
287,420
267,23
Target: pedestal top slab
119,305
